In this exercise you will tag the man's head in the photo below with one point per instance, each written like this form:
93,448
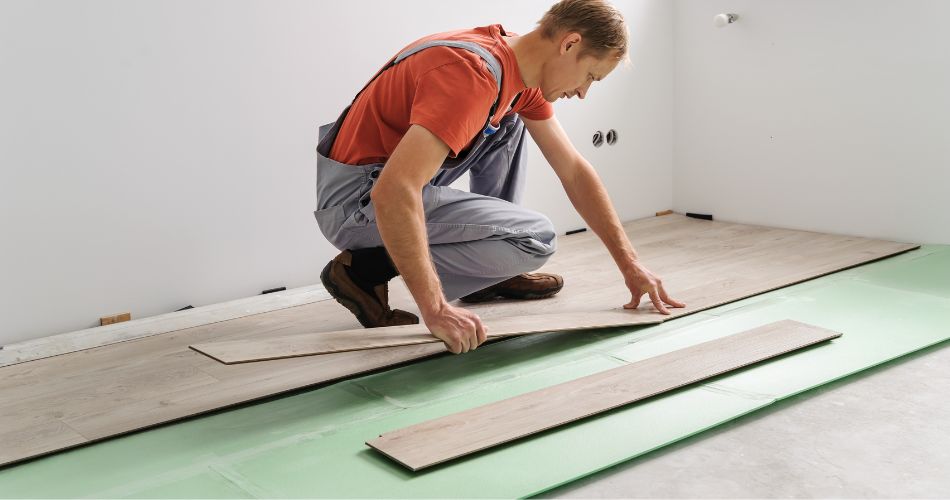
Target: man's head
587,38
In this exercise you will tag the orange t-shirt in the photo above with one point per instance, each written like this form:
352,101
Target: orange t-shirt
447,90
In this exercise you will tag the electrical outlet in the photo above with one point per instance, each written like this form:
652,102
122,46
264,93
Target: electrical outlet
598,139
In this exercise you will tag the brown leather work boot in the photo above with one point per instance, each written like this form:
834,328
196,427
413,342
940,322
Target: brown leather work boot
371,310
523,286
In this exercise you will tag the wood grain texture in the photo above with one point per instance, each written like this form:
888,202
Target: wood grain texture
78,397
244,351
703,263
453,436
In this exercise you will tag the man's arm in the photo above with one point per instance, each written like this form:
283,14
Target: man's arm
589,196
401,221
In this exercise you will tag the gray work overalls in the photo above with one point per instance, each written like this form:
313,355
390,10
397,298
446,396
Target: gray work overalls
477,238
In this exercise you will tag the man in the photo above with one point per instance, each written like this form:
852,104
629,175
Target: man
456,102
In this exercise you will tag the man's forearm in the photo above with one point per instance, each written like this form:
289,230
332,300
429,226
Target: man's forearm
589,196
401,222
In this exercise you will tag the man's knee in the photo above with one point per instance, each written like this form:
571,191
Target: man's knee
546,232
536,262
542,245
539,228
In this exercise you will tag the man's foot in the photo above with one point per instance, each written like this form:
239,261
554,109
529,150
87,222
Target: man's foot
371,309
523,286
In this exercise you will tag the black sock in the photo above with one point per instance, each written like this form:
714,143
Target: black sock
371,267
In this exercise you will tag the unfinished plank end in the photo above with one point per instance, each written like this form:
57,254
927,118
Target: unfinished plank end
117,318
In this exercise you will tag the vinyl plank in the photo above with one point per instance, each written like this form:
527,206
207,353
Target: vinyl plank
453,436
239,388
723,263
37,436
232,352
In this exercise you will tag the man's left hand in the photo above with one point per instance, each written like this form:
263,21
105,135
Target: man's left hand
642,282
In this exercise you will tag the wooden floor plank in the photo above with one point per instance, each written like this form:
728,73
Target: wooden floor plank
40,435
721,262
309,344
453,436
63,401
178,404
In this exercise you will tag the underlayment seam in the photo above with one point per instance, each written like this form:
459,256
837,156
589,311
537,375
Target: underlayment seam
238,481
367,390
894,260
499,381
792,294
129,488
218,463
767,299
864,369
615,357
903,290
330,429
665,327
732,391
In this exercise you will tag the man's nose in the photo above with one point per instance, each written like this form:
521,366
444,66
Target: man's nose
582,92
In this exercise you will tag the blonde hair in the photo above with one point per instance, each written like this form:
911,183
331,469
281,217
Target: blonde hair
600,24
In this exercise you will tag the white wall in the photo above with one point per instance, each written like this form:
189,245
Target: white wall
828,115
636,101
155,154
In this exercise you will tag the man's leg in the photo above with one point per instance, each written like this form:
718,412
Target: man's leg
499,171
479,241
475,241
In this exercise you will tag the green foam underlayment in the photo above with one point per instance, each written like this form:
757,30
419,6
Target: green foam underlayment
311,444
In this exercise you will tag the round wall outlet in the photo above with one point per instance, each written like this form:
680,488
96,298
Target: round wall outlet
598,139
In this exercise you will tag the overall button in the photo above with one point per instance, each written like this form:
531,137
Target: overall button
364,202
374,174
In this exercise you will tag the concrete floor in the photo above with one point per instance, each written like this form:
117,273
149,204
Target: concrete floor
883,433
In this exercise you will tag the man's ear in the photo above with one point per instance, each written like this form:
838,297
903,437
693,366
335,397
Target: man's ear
570,41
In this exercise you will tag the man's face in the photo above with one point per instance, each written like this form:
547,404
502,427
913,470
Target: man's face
568,75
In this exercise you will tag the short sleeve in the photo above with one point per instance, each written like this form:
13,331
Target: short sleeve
452,101
533,106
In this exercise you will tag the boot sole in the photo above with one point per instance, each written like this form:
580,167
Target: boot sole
530,295
476,297
509,295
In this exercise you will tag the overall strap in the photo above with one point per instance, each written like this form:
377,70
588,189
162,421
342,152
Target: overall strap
490,60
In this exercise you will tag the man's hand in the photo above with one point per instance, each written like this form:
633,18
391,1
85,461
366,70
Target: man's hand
589,196
460,329
641,281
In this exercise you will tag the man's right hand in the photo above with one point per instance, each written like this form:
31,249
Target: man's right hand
460,329
400,216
